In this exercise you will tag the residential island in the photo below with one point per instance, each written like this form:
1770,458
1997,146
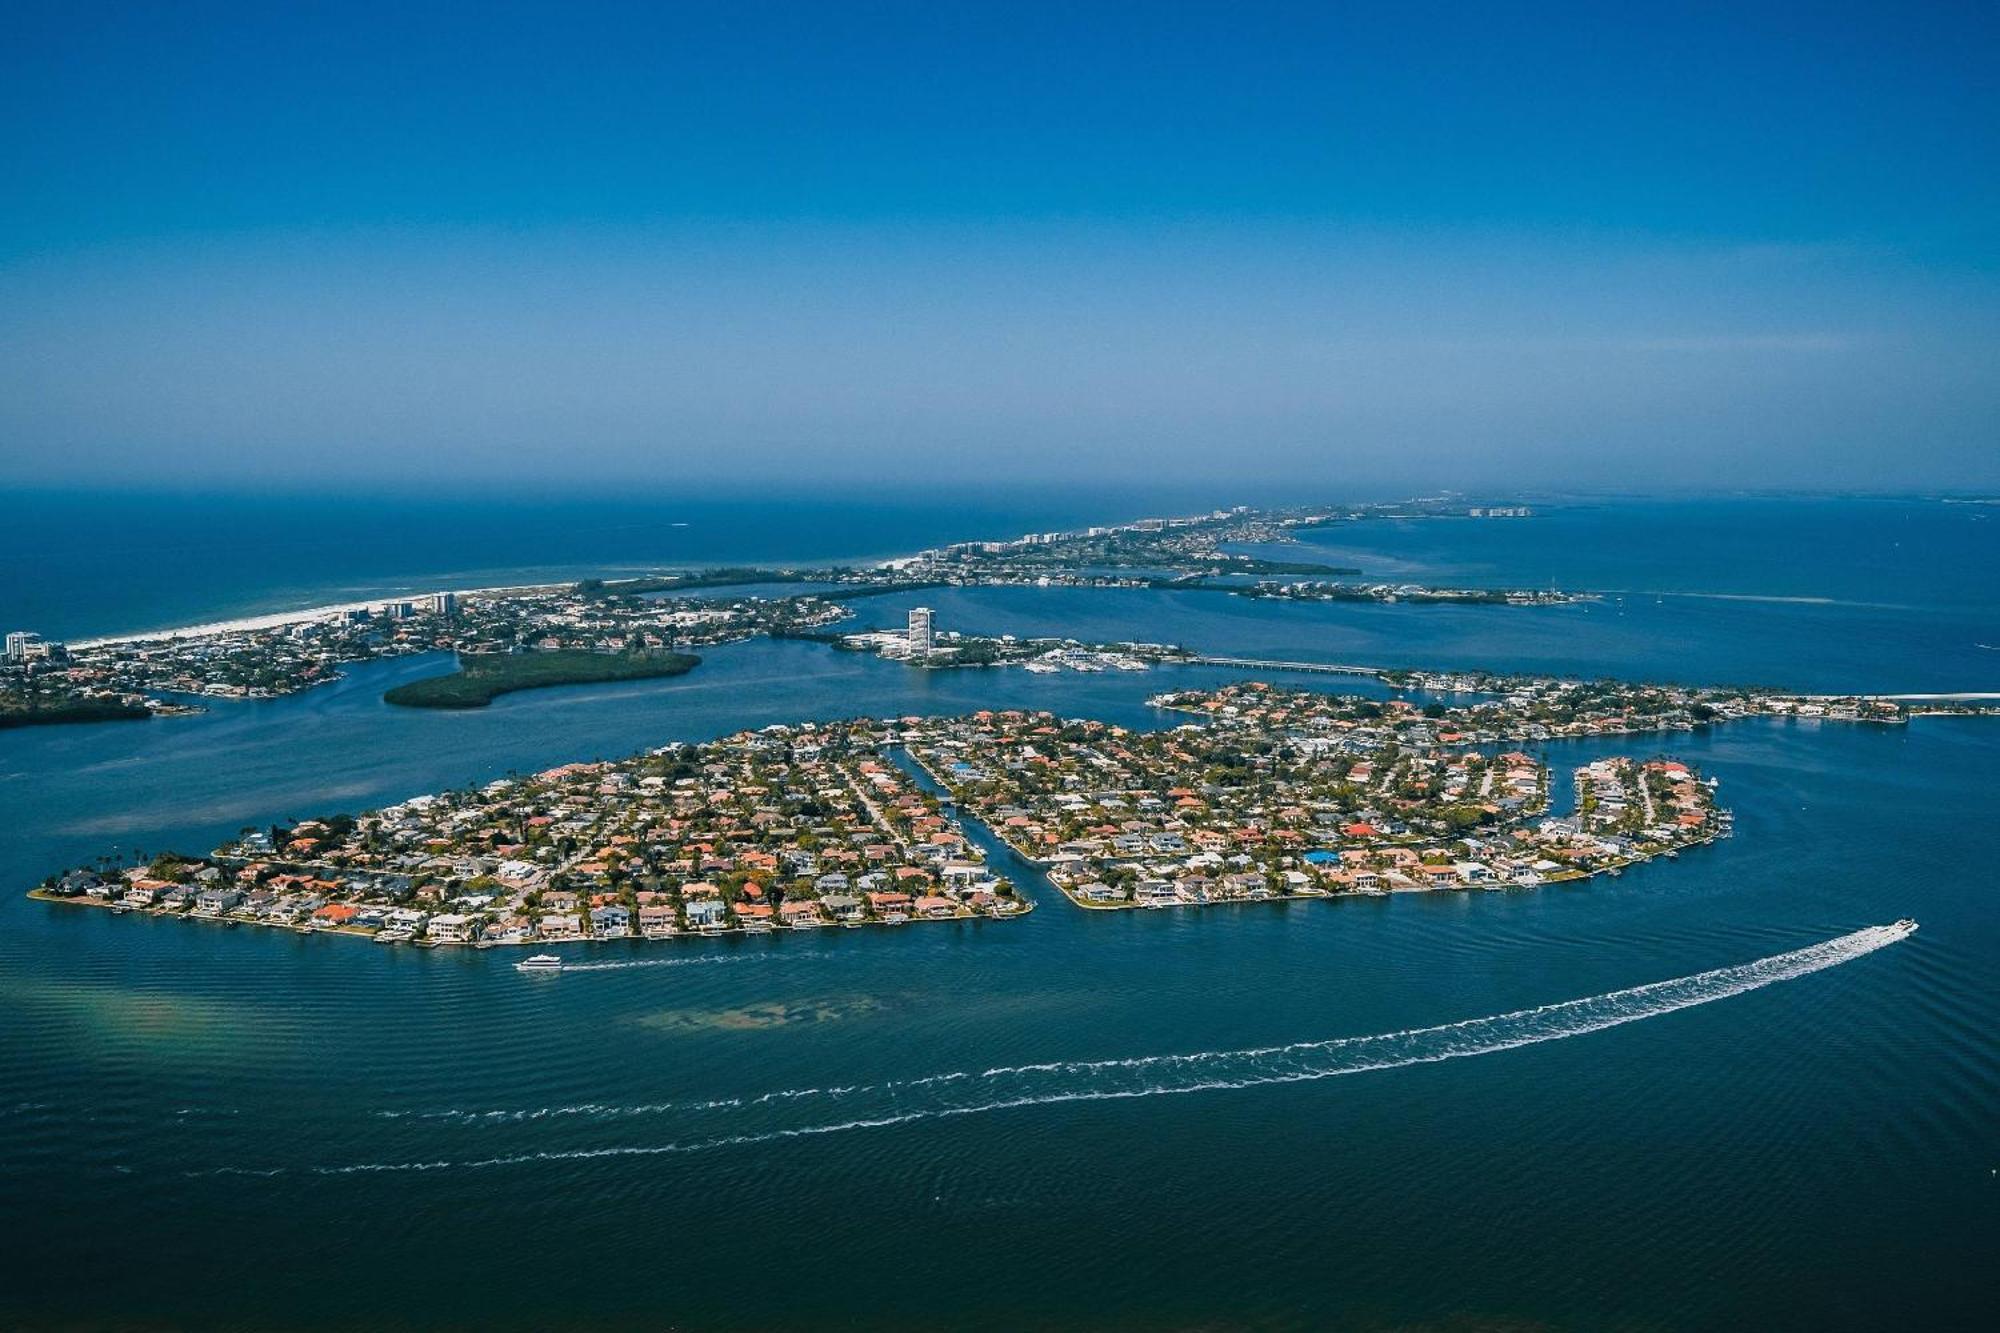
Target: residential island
795,827
1278,798
1271,793
1262,793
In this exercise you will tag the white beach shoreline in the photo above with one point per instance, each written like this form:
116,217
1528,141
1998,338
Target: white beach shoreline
305,615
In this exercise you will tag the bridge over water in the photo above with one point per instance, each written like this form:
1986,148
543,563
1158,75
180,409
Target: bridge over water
1262,664
1971,697
1346,669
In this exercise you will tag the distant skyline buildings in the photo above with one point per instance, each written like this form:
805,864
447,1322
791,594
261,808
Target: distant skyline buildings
921,631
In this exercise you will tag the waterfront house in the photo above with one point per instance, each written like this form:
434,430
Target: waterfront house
217,899
963,873
510,930
145,892
801,912
453,928
1244,884
560,926
76,883
407,919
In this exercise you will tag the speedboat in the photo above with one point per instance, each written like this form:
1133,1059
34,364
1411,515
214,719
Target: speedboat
541,962
1906,924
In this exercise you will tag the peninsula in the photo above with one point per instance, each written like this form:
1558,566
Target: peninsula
654,618
595,630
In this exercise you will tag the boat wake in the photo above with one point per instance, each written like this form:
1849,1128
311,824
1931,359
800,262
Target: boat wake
978,1092
703,961
616,1111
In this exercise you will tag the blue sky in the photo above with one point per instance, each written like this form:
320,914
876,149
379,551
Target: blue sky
687,245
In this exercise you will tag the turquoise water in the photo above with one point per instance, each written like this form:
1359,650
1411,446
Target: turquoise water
970,1125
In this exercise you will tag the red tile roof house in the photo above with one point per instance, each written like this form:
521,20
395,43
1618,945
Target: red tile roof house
802,911
144,891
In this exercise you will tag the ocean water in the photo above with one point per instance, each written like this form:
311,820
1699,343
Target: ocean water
1379,1113
83,565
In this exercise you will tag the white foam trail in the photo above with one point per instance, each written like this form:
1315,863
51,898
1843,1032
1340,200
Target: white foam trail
703,961
1005,1087
1777,598
613,1111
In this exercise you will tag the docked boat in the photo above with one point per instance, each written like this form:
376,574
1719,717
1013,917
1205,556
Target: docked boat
541,962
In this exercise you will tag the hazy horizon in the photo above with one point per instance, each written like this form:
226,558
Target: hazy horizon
1284,247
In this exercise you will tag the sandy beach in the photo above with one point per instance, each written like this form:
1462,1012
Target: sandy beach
280,619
